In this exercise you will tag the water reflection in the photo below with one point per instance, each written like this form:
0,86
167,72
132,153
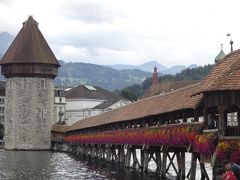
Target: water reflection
41,165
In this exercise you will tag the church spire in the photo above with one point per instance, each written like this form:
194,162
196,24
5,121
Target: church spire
220,55
155,77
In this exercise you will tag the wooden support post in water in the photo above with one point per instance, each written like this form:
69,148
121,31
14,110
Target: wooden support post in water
164,163
171,163
135,160
193,166
183,168
142,158
128,158
121,154
145,164
158,160
204,174
179,164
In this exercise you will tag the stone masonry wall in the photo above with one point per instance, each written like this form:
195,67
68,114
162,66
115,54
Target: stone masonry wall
28,113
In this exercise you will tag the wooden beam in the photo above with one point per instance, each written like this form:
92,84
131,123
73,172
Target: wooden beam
172,163
183,167
184,116
204,174
196,116
193,166
221,120
164,163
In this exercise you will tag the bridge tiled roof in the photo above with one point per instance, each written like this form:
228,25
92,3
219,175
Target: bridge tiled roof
225,75
59,128
176,100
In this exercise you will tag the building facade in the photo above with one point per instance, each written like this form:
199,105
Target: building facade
59,106
85,101
29,67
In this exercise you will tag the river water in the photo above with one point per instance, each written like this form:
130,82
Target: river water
44,165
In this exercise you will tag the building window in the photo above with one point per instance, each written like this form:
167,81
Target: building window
232,119
60,100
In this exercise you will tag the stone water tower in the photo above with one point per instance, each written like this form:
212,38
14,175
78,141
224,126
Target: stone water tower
29,67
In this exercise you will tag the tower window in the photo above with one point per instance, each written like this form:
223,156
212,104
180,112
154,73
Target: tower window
25,84
42,84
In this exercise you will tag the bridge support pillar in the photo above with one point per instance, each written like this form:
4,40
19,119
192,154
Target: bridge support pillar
128,158
164,164
121,154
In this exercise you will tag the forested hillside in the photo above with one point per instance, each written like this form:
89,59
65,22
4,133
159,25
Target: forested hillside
134,92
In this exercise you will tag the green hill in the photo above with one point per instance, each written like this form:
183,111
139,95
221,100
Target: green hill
77,73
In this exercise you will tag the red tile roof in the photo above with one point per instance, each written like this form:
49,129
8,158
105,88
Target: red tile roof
225,75
59,128
166,86
29,47
176,100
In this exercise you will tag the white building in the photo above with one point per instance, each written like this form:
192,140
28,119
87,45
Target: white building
59,106
84,101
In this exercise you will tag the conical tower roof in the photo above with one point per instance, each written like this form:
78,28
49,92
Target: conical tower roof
29,54
29,47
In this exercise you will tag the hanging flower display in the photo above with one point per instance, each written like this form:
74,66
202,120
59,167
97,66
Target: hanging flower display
229,149
206,143
179,134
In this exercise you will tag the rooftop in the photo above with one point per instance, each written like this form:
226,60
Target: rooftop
29,47
225,75
176,100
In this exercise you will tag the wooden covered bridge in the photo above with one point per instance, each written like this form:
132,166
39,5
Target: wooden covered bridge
202,119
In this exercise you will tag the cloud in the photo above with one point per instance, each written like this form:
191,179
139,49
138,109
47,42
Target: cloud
5,2
72,53
89,12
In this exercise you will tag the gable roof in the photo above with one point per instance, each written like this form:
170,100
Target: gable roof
29,47
94,92
225,75
176,100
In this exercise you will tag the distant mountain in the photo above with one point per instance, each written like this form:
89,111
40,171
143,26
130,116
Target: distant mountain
174,70
84,73
177,69
5,41
148,67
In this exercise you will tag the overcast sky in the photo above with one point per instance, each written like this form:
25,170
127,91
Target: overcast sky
173,32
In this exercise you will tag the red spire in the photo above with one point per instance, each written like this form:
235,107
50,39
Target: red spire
155,77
